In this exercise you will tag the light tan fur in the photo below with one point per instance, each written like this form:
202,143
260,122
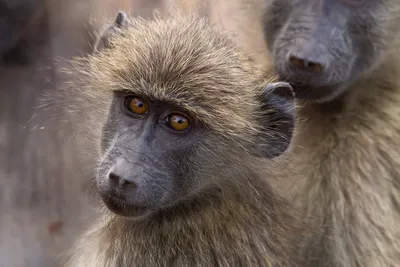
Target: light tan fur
242,18
183,59
348,150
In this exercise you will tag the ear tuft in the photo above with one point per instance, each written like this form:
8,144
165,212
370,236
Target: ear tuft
278,119
103,42
121,17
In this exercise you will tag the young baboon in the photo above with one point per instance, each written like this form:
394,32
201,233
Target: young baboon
184,123
342,58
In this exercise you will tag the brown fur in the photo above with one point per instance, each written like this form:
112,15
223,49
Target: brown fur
186,61
354,184
348,149
242,18
346,145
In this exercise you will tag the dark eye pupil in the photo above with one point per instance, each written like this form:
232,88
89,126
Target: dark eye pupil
180,121
140,104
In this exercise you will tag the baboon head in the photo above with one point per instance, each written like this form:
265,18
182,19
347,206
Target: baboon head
323,46
184,109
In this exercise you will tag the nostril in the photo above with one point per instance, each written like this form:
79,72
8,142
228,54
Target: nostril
305,65
114,178
297,62
117,180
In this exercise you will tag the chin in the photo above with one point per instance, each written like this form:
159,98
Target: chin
313,94
317,94
124,209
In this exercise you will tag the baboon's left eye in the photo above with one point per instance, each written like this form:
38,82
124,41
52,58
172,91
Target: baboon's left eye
136,105
178,122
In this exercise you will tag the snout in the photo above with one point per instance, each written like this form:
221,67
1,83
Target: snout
311,69
304,62
125,190
124,180
122,183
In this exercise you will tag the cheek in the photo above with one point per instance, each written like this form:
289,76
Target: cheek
369,44
275,17
107,137
109,128
103,169
182,168
108,159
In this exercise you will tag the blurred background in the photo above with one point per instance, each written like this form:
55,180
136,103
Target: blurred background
43,206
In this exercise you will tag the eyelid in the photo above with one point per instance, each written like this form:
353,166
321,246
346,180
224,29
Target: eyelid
127,111
179,113
165,122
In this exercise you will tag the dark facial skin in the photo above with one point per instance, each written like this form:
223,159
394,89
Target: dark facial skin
155,153
148,164
142,155
325,46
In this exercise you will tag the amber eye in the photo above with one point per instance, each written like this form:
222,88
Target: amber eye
178,122
136,105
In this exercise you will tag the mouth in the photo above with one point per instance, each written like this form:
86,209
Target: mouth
310,92
123,208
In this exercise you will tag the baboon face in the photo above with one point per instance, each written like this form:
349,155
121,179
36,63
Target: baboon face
147,147
157,153
323,46
186,110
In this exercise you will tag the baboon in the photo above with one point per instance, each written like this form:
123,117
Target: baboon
184,122
342,60
242,18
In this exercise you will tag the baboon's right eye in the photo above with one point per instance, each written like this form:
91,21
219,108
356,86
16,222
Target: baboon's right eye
177,122
135,105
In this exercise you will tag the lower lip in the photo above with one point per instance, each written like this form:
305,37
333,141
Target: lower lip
309,92
121,208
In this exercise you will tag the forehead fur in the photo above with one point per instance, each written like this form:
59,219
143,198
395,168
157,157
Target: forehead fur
183,60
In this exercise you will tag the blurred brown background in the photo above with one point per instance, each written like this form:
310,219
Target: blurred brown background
42,171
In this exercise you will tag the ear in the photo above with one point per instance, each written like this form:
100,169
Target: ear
278,118
103,41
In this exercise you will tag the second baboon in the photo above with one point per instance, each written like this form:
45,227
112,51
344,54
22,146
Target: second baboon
242,18
342,58
184,122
